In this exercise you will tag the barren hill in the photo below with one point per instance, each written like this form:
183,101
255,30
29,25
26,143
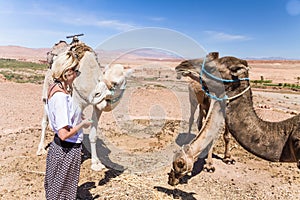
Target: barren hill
24,53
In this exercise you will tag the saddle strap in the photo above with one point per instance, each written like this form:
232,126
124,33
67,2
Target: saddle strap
53,89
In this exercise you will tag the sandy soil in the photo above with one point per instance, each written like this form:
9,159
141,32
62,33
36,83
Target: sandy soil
140,136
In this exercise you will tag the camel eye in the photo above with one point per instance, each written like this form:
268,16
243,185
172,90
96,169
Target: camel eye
97,94
180,164
114,84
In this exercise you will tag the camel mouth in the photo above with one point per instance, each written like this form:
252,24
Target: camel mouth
181,73
100,93
174,178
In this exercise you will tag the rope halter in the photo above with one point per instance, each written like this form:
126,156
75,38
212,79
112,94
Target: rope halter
188,167
226,98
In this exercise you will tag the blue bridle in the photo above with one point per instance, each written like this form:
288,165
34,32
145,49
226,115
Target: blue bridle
203,70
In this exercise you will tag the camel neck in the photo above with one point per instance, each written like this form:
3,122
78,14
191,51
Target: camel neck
262,138
210,131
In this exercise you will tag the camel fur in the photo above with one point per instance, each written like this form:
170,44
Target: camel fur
197,97
272,141
184,159
84,86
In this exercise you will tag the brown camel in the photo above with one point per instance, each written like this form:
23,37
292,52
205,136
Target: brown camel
227,81
184,159
197,97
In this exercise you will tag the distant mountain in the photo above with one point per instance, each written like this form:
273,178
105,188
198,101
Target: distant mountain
24,53
145,54
39,54
269,58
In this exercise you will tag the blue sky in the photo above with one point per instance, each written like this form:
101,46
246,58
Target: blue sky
241,28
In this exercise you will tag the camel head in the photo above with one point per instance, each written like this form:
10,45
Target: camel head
191,68
109,91
215,72
224,76
182,164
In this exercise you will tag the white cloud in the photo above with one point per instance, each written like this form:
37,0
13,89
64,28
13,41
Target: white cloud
61,14
220,36
115,24
157,19
93,21
293,7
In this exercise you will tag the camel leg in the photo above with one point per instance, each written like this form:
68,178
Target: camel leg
96,163
295,146
298,154
208,167
228,159
200,117
41,148
193,106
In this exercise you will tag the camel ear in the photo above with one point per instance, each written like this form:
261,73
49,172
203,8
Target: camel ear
128,73
239,69
212,56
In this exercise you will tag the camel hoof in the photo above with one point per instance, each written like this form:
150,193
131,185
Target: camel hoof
229,161
209,168
41,152
98,167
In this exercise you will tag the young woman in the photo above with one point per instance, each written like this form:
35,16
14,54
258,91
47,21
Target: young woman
64,155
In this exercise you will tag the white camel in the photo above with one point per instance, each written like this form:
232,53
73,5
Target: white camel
103,92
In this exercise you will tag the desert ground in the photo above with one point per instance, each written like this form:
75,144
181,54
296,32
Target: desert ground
138,139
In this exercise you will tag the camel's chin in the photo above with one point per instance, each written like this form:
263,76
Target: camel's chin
106,106
173,181
182,74
102,105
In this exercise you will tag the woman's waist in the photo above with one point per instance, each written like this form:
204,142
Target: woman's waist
66,143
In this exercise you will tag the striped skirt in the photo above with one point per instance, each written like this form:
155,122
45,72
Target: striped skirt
62,172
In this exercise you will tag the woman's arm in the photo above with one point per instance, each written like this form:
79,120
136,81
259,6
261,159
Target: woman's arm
66,132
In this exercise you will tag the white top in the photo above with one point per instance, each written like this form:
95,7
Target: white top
62,112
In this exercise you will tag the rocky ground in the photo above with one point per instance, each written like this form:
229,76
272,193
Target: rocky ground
142,144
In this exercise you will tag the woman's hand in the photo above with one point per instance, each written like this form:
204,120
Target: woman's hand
86,123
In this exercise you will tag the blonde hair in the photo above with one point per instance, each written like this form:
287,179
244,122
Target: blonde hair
62,63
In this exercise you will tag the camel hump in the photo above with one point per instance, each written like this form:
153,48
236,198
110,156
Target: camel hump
57,49
79,49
